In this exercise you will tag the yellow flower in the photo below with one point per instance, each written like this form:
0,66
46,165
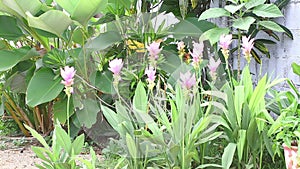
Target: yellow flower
135,45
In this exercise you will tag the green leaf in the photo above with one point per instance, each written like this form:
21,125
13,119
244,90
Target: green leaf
258,94
233,8
104,40
77,145
209,166
261,47
140,99
239,99
8,59
243,23
256,56
281,3
214,13
43,87
131,146
213,35
241,144
23,6
267,11
190,27
60,110
37,136
271,25
171,63
87,115
253,3
62,139
296,68
52,21
104,81
82,10
9,28
287,31
11,58
40,153
233,1
228,155
111,117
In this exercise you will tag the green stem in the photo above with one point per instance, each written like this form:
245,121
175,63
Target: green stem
261,155
229,74
239,55
37,37
183,161
68,115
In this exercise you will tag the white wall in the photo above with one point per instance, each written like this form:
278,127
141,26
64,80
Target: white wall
287,51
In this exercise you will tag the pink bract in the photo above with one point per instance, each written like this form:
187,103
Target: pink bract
150,72
213,65
247,45
188,80
67,73
197,49
154,49
115,66
225,41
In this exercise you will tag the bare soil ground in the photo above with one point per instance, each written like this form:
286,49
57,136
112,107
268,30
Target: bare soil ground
16,153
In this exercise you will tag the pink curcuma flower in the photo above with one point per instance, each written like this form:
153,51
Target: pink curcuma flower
67,74
213,65
115,66
154,50
225,41
150,72
187,80
247,45
197,54
197,49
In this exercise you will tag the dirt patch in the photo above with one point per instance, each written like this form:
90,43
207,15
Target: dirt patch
16,153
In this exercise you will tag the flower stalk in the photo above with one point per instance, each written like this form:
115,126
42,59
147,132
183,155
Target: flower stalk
68,74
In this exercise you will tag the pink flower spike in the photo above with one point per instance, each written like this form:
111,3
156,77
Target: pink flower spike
67,74
115,66
188,80
247,45
154,50
150,72
225,41
213,65
197,49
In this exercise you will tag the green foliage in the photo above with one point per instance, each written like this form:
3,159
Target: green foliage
48,19
286,127
244,119
82,11
10,29
8,127
142,137
296,68
43,87
63,152
248,18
